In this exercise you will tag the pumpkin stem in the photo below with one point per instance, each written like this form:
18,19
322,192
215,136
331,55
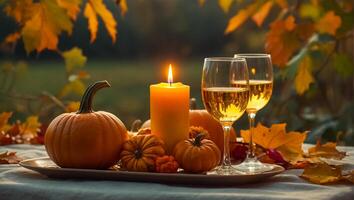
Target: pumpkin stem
198,139
138,153
86,101
193,104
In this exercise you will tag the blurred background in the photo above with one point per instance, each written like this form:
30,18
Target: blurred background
151,35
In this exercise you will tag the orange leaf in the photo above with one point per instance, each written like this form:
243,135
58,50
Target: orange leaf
303,77
97,7
4,118
201,2
72,106
225,5
240,18
329,23
30,127
13,37
322,173
9,158
262,13
42,29
282,40
123,7
327,150
72,7
275,137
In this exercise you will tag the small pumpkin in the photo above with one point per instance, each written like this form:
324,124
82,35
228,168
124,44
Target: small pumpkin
203,119
140,152
197,155
86,139
166,164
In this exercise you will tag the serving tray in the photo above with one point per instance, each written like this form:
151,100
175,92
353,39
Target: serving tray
47,167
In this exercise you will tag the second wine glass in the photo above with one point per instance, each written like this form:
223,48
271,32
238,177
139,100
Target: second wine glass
261,86
223,100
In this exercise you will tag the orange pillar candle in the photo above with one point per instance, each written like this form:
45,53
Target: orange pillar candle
169,111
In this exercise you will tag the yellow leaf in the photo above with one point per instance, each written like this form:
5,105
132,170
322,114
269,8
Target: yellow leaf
123,7
201,2
303,77
4,118
225,5
309,10
13,37
72,106
327,150
30,127
72,7
73,59
20,10
240,18
41,31
322,173
76,86
329,23
262,13
97,7
275,137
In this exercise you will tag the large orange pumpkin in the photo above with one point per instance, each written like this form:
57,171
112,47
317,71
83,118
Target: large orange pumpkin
197,155
204,119
86,139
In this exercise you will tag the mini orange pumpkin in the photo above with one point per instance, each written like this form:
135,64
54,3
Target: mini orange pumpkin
197,155
140,152
86,139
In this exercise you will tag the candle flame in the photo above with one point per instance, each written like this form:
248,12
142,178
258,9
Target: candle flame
170,76
253,71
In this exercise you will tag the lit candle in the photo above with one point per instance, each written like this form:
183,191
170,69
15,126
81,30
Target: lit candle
169,111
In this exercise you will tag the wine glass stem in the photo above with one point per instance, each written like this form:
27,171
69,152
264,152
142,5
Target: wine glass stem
226,157
251,119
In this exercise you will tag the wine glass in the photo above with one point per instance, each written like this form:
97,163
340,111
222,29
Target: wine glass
223,100
260,86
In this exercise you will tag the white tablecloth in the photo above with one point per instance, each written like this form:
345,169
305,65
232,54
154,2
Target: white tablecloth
19,183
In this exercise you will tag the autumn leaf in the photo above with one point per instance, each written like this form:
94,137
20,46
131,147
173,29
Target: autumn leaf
9,158
74,59
304,77
30,127
282,40
72,7
327,150
20,10
241,16
329,23
4,118
225,5
97,7
41,31
76,86
322,173
276,137
201,2
123,7
262,13
12,38
72,106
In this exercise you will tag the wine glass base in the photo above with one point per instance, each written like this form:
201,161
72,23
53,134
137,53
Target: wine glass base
253,166
226,170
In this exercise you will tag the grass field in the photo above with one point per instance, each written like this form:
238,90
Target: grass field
128,97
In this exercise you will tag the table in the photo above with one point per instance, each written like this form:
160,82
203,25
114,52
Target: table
20,183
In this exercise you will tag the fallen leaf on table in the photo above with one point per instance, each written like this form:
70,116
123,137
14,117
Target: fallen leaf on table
322,173
327,150
9,158
289,145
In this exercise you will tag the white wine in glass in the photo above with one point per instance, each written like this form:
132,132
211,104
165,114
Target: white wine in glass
260,87
223,100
